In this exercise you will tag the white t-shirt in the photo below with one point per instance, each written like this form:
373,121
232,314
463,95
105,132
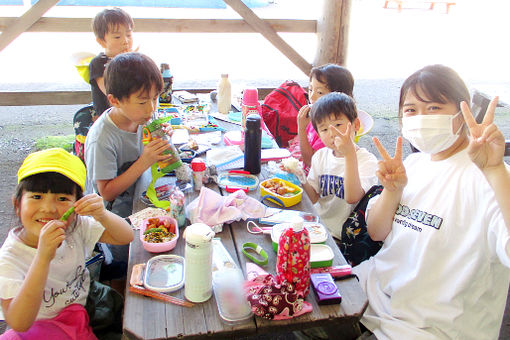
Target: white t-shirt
442,271
68,279
326,176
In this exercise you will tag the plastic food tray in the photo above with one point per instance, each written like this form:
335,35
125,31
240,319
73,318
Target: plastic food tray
164,273
236,179
285,201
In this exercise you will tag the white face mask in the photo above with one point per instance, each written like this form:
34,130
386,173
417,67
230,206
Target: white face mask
430,133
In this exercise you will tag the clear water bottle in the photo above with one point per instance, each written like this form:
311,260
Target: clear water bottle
224,94
293,257
168,79
252,144
198,262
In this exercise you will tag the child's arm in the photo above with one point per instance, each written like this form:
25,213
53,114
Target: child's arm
303,119
100,84
152,152
353,191
20,312
310,191
487,149
117,230
392,175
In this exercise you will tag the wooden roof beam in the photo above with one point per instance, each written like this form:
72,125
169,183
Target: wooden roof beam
50,24
270,34
25,21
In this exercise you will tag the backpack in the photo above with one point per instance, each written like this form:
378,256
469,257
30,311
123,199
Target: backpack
280,110
82,121
356,245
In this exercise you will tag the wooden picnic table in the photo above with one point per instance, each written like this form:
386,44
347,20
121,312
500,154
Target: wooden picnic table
147,318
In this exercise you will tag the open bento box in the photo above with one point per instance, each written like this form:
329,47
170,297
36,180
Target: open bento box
159,234
281,192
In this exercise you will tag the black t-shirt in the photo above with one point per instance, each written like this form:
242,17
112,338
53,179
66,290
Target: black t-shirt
96,70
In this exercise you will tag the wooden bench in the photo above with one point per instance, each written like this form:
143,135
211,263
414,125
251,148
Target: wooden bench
399,4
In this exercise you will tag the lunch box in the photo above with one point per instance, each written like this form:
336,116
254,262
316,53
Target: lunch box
162,273
316,231
162,246
282,200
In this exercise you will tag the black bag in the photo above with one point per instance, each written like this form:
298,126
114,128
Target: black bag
356,245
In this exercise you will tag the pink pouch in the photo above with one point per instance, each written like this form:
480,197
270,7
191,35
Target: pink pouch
272,300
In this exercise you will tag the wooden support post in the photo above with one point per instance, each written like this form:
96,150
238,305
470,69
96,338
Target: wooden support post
270,34
333,32
25,21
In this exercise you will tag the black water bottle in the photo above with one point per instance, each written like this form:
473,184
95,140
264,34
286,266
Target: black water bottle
252,143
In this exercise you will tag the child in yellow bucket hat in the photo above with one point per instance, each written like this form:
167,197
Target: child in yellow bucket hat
43,279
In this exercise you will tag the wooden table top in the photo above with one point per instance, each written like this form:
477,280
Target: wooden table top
147,318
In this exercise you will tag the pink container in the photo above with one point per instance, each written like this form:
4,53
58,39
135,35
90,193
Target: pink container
250,96
250,104
163,246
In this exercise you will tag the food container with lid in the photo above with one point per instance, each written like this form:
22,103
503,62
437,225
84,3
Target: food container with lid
164,273
316,231
281,192
155,222
321,255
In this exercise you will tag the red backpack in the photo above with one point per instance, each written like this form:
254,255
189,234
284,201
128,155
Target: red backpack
280,109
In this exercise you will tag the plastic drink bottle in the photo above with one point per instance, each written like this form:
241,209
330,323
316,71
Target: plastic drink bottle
293,257
224,94
198,167
250,103
198,262
252,144
155,129
168,79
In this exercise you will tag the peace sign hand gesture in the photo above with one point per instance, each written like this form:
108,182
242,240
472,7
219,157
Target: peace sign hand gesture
391,173
343,141
487,144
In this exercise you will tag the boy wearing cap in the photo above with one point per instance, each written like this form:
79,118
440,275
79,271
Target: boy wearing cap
44,283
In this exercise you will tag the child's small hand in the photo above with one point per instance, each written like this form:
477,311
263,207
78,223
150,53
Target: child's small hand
391,173
153,151
343,141
487,144
303,117
51,236
168,129
91,205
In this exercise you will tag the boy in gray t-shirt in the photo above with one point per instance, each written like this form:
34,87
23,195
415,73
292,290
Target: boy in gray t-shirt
114,154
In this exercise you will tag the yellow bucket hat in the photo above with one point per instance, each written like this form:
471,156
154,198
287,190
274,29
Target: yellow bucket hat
54,160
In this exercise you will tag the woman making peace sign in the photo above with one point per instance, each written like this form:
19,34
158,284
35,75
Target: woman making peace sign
444,216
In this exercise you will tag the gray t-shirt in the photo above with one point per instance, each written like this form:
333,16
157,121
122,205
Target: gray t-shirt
109,151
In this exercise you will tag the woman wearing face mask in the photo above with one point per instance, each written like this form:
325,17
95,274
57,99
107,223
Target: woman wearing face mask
444,216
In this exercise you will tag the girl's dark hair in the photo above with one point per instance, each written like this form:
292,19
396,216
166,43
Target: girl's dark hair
337,78
131,72
53,182
438,83
109,19
333,104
